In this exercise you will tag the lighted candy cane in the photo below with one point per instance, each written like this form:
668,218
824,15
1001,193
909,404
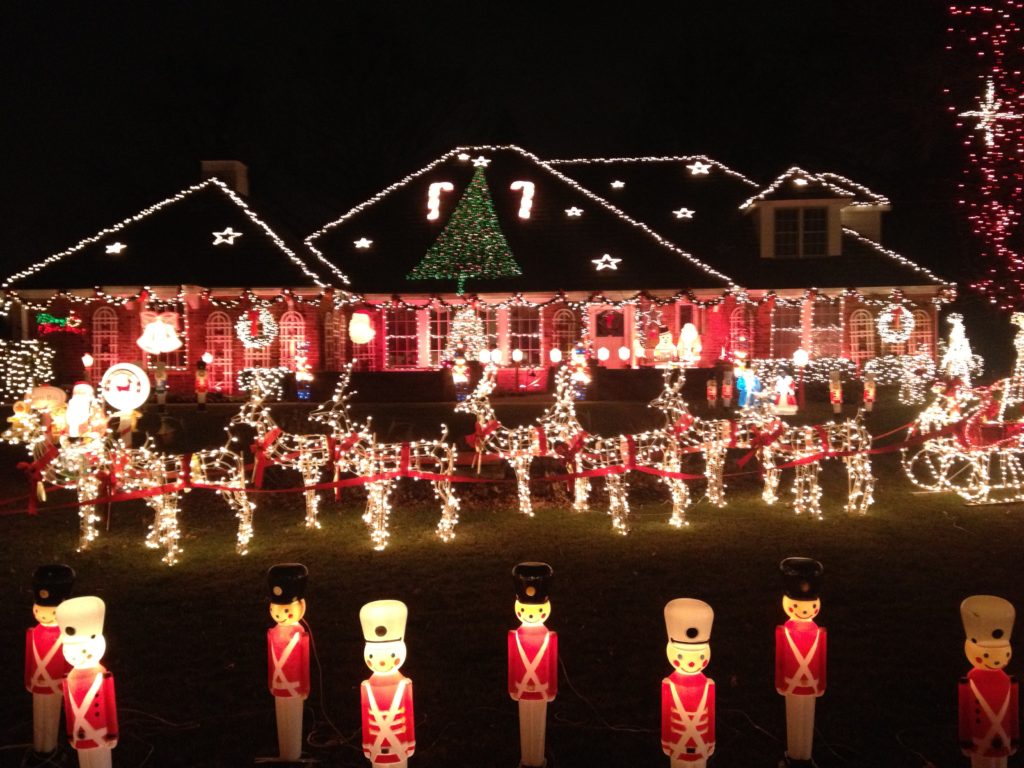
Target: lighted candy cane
527,201
434,197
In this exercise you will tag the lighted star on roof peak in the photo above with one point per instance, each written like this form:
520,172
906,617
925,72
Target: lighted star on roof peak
227,236
574,211
618,184
684,213
606,262
481,162
116,248
362,242
699,168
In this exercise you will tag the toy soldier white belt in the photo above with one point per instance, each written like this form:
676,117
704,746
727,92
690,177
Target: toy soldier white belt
995,721
41,676
280,681
689,724
385,722
530,681
803,670
82,729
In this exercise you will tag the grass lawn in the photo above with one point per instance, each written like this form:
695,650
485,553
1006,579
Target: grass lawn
186,644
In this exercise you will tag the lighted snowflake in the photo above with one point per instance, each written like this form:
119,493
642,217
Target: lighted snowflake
227,236
683,213
574,211
699,168
481,162
606,262
116,248
988,113
363,242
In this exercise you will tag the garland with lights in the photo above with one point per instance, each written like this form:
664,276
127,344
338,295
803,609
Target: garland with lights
257,328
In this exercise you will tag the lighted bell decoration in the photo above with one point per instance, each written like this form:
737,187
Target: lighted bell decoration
687,696
90,707
45,665
689,347
288,654
389,724
989,723
159,333
532,658
800,653
870,391
835,391
360,328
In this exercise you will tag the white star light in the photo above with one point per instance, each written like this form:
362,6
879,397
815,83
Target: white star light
683,213
481,162
800,181
116,248
606,262
989,113
463,156
618,184
227,236
574,211
362,242
698,168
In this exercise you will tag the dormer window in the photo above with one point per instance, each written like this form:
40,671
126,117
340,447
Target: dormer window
801,232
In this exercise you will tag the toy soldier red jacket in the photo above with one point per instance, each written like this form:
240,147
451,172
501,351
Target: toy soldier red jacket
288,661
90,709
989,719
45,666
532,663
800,652
389,726
687,716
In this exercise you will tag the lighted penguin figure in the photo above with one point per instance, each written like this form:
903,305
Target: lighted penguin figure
45,665
800,655
532,658
90,707
687,696
989,724
389,724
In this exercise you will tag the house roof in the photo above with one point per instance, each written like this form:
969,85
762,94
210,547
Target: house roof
173,243
707,212
558,246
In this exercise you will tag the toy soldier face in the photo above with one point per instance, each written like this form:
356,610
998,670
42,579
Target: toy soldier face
45,614
384,657
987,657
688,658
85,652
801,610
291,613
533,613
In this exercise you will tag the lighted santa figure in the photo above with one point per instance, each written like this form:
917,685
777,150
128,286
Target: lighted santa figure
689,347
288,655
90,708
800,653
83,411
532,658
45,665
784,399
989,729
687,696
389,725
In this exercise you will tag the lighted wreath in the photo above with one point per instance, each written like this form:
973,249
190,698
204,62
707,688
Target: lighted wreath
895,324
256,328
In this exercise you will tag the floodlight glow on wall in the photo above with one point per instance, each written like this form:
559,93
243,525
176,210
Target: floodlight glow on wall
624,353
603,354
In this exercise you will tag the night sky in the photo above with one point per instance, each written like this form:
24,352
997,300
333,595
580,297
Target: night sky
108,108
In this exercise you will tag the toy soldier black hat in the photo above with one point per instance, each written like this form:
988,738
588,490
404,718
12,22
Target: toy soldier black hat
51,584
801,578
287,582
533,582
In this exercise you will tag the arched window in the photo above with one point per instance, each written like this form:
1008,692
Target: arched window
741,337
220,336
862,336
291,334
334,340
104,341
922,339
787,330
256,358
565,331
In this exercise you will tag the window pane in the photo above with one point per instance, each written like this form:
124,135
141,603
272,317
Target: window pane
787,232
786,330
827,329
524,333
815,232
402,342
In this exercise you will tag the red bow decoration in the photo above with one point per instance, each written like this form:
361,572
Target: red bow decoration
480,434
259,453
542,441
629,453
683,424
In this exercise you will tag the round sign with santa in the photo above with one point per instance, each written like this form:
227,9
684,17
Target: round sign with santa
124,386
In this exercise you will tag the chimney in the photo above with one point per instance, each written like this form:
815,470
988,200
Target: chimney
232,172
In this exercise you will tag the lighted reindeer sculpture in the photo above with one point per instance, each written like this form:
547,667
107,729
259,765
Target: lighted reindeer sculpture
307,454
518,446
356,449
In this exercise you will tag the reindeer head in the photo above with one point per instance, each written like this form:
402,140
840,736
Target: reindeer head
334,413
478,401
670,400
252,411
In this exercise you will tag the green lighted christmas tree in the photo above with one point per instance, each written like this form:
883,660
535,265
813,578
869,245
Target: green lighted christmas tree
471,243
467,334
